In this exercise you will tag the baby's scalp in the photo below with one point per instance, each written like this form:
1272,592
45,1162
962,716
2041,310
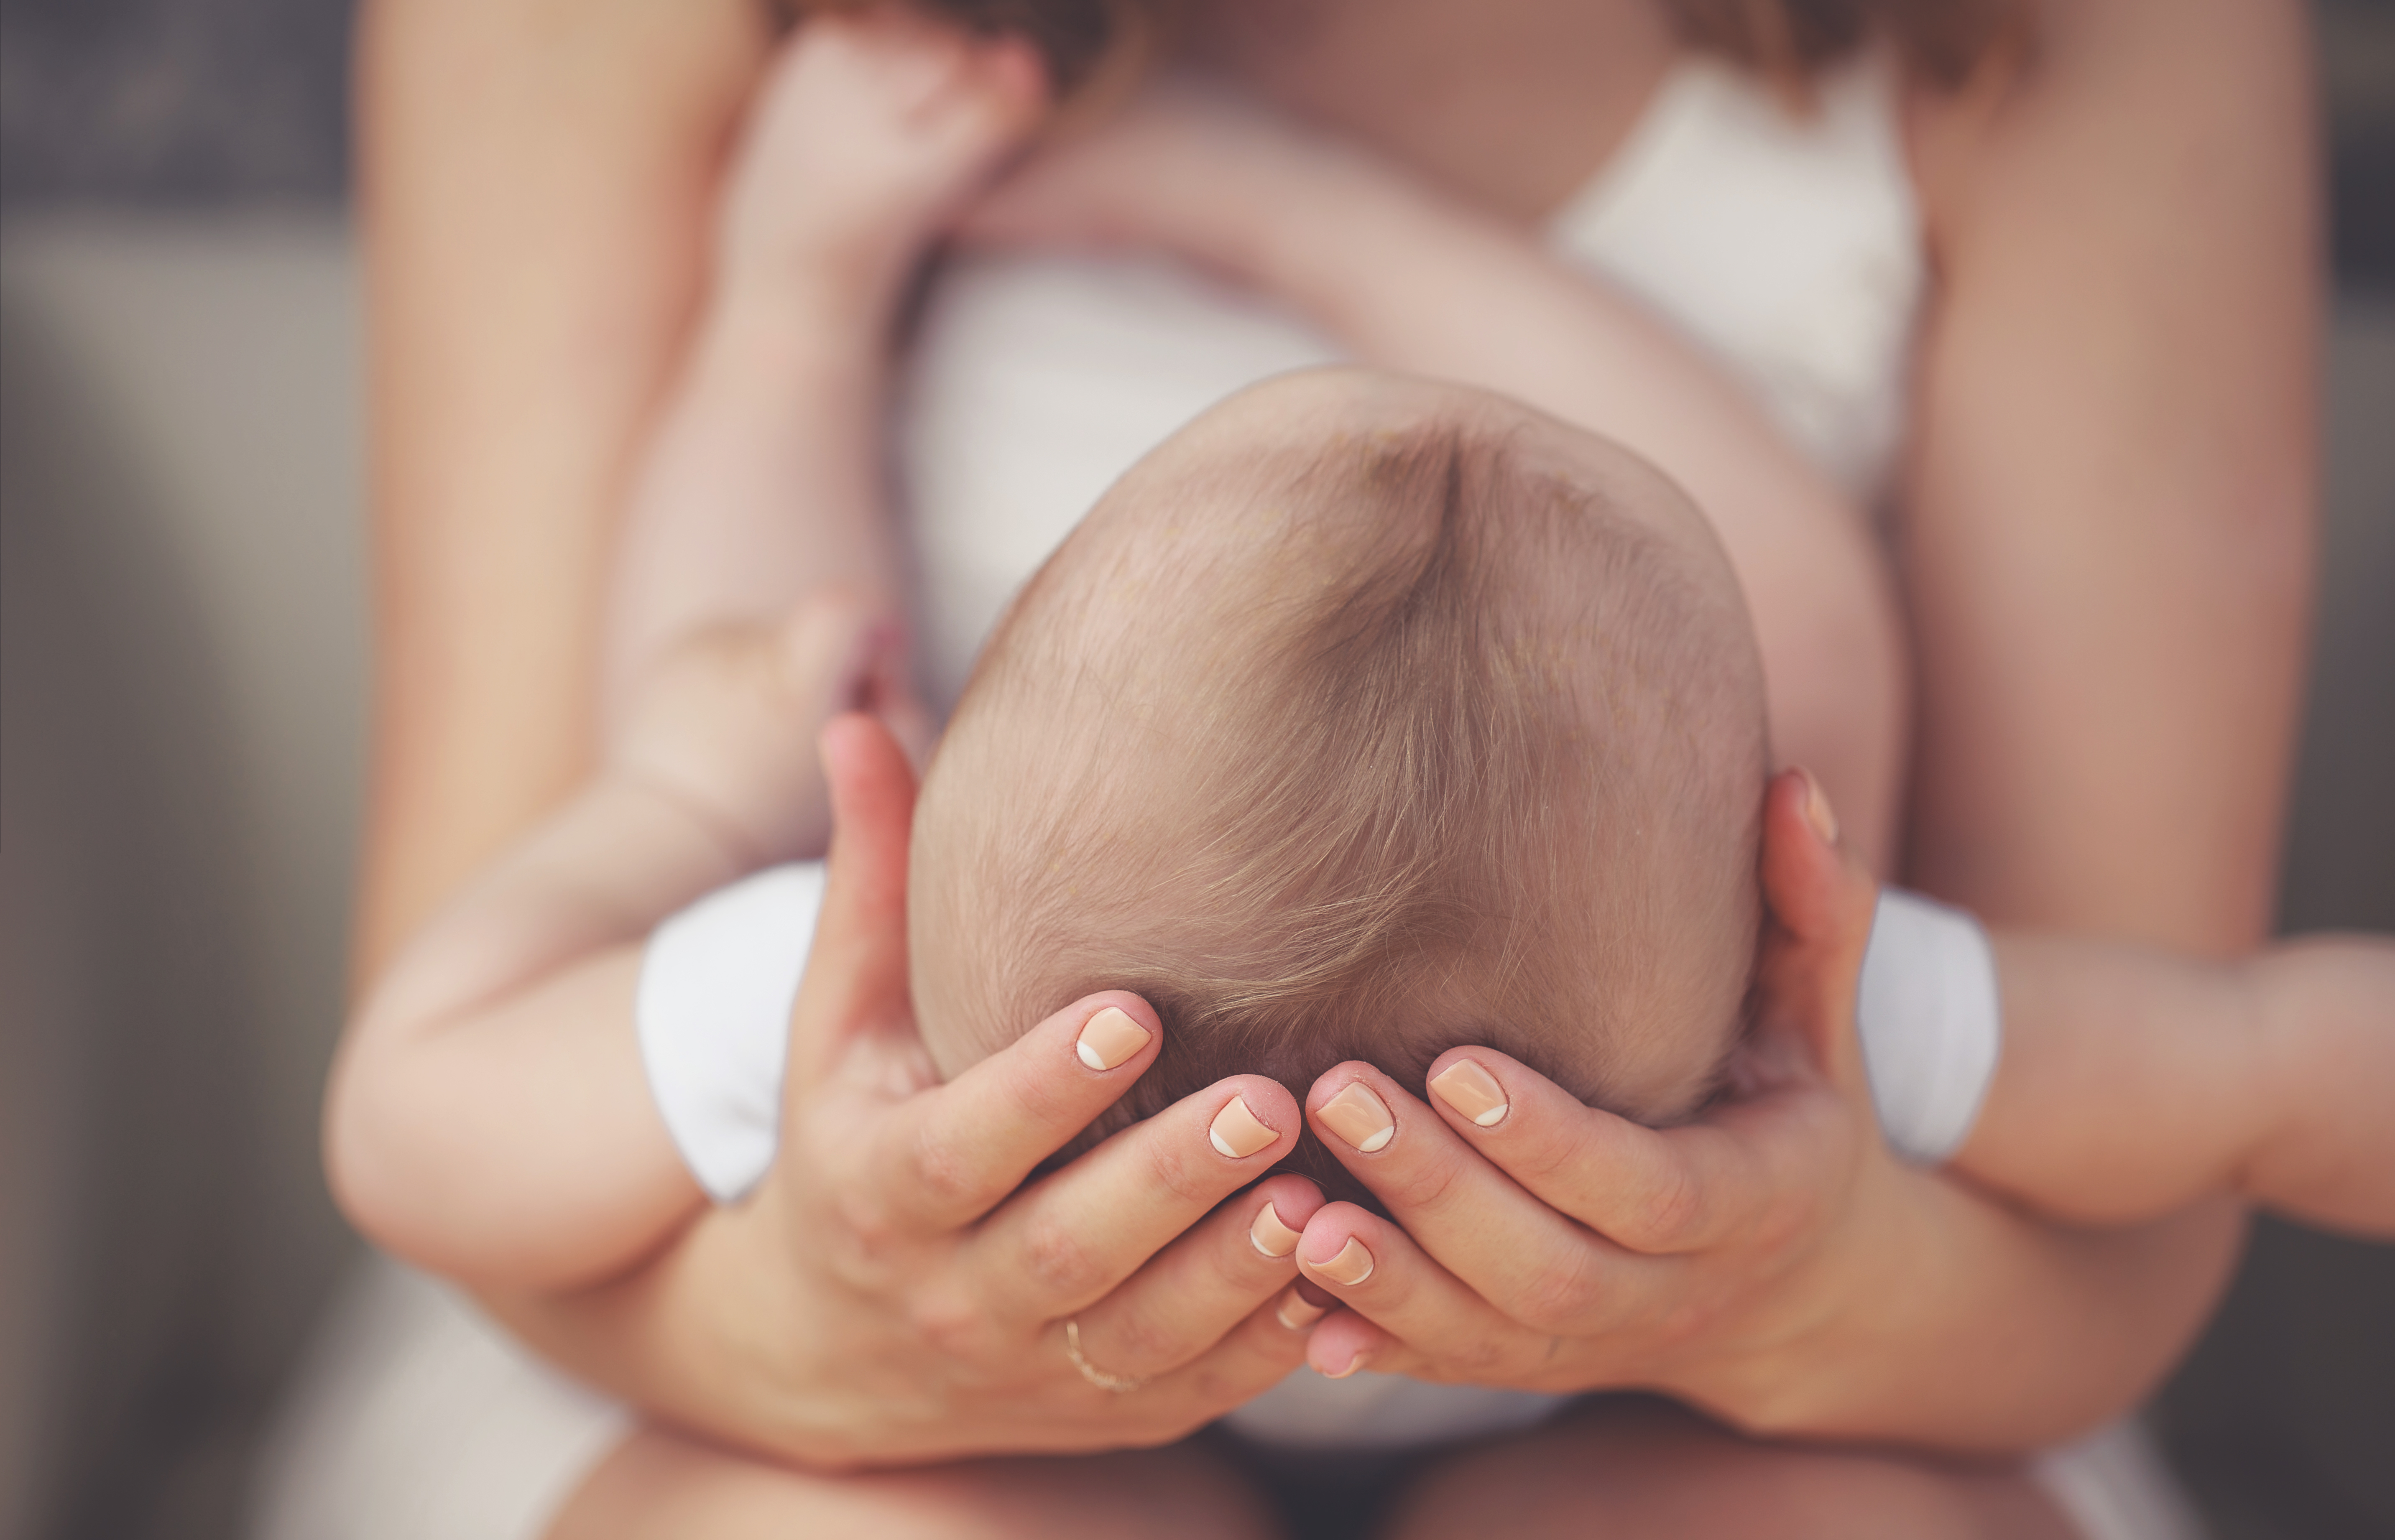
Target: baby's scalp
1364,718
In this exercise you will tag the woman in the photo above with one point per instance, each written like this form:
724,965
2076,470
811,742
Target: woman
2101,519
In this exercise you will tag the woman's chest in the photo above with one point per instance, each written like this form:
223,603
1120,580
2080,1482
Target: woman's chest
1787,247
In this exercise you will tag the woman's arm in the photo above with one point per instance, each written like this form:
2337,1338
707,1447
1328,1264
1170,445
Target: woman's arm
2107,526
2106,546
537,186
537,181
1771,1262
896,1289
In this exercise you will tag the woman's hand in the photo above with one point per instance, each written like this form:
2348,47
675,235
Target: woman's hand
1771,1263
888,1296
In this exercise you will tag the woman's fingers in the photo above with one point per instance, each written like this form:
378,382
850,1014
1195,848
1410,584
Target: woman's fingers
1192,1294
1369,1265
1257,1354
944,1157
855,979
1502,1241
1654,1191
1071,1238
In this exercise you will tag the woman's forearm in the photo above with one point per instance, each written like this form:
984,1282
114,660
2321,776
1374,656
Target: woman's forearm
535,187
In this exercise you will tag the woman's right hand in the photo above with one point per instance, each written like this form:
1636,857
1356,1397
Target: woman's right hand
894,1293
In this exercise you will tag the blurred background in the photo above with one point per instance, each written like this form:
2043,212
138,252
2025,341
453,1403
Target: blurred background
183,592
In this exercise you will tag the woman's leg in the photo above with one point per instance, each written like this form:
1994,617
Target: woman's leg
658,1484
1644,1468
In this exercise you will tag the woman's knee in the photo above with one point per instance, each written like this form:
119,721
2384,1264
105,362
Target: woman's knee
1655,1470
659,1486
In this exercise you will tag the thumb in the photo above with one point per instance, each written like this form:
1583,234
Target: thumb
1821,899
856,980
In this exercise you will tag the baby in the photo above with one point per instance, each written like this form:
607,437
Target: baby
1364,718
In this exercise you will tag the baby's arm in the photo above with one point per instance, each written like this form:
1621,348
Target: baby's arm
489,1118
764,480
2132,1081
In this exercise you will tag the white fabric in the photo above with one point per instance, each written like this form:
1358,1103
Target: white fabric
1366,1411
1931,1022
713,1013
416,1418
2114,1485
1790,247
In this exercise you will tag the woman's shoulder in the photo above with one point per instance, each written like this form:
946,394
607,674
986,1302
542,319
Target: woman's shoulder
2099,93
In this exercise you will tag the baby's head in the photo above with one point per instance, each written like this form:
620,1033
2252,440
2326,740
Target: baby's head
1362,719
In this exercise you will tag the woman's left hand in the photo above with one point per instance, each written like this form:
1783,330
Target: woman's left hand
1771,1263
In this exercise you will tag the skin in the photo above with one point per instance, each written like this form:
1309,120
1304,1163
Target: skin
493,538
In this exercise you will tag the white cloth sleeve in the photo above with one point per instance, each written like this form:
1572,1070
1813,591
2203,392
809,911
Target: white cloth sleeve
1931,1023
719,978
713,1016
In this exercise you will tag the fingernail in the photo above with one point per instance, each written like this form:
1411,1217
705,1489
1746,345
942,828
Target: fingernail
1237,1132
1270,1236
1108,1038
1473,1091
1358,1116
1352,1266
1352,1364
1817,809
1297,1313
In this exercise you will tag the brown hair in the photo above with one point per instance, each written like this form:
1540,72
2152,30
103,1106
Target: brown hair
1791,40
1787,41
1433,752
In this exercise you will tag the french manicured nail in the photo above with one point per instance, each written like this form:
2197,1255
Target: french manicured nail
1237,1132
1270,1236
1297,1313
1352,1364
1817,811
1473,1091
1357,1117
1351,1267
1108,1038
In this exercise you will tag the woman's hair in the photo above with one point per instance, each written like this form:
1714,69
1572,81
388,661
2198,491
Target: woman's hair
1787,41
1790,41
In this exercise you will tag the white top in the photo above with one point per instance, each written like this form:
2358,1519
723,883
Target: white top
1789,246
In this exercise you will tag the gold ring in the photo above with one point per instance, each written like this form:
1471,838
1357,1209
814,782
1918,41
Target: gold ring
1091,1372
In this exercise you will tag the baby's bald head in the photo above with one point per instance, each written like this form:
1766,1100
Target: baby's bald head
1362,719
